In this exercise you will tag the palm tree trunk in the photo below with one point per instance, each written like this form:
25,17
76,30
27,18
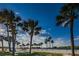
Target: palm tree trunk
13,39
31,42
52,45
13,43
72,37
45,45
2,46
49,44
9,42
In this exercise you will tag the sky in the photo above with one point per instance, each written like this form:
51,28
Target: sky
46,15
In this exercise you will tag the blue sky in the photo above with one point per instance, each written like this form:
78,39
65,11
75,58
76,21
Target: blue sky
46,15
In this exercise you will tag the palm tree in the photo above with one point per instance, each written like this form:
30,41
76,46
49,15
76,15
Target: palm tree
32,28
68,13
52,43
40,44
49,41
13,25
14,31
46,43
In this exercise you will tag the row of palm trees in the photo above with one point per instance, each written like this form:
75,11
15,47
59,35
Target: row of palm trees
68,13
35,45
11,20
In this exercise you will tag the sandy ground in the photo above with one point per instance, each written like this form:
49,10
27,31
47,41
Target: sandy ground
64,52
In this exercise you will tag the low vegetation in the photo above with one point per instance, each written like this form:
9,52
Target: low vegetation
5,54
39,54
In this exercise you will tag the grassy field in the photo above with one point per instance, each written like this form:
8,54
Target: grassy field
5,54
39,54
33,54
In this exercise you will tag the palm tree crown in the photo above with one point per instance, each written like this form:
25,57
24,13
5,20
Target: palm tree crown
31,26
67,12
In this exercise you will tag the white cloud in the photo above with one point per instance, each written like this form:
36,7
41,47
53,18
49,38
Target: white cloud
2,29
58,42
43,31
25,38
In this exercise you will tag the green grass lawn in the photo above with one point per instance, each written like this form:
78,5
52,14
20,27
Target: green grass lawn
33,54
5,54
39,54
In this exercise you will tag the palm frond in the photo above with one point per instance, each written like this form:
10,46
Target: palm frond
38,29
64,24
60,20
20,24
36,33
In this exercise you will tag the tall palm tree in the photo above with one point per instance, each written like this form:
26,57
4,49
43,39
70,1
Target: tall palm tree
32,28
13,24
68,13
